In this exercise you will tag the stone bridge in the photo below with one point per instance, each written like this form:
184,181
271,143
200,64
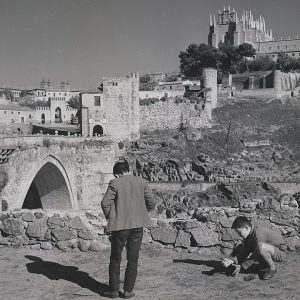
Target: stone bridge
54,172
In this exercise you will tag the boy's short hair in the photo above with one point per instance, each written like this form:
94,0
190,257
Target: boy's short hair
121,167
240,222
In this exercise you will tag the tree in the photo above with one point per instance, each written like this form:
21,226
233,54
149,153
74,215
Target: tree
27,101
286,63
195,58
8,94
26,93
228,58
74,102
262,63
246,51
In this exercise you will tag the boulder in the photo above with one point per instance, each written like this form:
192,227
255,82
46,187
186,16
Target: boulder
288,202
3,217
204,236
39,214
46,246
13,226
97,246
164,235
28,217
19,240
4,241
83,245
186,225
183,239
86,235
228,234
37,229
35,247
76,223
63,234
62,245
55,221
227,222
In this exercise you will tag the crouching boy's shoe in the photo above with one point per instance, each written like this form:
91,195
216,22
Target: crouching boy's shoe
128,295
269,274
111,294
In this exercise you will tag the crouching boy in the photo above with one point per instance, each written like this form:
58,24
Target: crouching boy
261,245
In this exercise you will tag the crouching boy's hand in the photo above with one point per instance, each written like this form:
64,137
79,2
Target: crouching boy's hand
226,262
231,266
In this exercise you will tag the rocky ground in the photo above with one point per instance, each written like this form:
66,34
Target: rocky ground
250,140
163,274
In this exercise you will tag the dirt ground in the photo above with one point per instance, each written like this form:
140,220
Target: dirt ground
163,274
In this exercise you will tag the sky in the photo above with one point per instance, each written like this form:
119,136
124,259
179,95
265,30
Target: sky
82,41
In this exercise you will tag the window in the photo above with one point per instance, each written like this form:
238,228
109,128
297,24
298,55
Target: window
170,87
12,112
273,55
5,111
285,46
270,48
18,112
293,54
97,100
278,47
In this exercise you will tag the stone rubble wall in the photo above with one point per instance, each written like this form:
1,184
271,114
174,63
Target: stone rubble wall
172,115
207,230
41,229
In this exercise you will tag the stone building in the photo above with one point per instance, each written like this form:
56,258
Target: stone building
115,111
13,113
227,26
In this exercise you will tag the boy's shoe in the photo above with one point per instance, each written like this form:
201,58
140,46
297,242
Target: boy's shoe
269,274
128,295
111,294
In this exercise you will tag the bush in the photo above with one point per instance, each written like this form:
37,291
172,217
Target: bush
148,101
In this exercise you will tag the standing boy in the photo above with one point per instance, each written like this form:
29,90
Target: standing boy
260,244
125,206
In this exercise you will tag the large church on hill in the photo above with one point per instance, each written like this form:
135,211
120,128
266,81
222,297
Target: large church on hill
227,26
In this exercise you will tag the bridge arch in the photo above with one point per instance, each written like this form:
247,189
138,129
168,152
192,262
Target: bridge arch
49,187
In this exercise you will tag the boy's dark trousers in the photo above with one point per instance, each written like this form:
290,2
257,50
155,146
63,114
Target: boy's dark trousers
132,238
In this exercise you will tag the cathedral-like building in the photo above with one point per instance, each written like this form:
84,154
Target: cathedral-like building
227,26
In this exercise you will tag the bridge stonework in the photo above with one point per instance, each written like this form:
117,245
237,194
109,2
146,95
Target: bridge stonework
55,172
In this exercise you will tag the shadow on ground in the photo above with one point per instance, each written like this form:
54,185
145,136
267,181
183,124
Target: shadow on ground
56,271
214,264
217,267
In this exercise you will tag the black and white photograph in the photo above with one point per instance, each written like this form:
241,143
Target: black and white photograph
149,149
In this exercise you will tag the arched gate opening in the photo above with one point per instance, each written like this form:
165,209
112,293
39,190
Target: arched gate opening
48,190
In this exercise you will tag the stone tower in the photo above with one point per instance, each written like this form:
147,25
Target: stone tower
121,105
209,76
117,113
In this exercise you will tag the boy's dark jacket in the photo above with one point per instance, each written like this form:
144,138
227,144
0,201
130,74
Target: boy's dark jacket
126,202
